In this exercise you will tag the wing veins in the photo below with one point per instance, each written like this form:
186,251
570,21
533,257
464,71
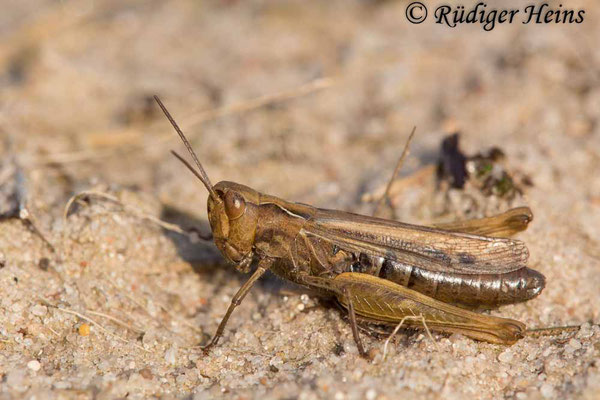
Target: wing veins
410,244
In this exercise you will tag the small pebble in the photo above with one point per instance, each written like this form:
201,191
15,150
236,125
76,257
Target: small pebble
373,352
71,337
371,394
506,356
547,352
469,360
171,355
547,391
84,329
574,344
39,310
44,263
146,373
34,365
533,354
62,385
586,331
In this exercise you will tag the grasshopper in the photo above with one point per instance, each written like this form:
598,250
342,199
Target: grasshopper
381,271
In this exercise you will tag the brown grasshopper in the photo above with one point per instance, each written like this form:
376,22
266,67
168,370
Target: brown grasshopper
382,271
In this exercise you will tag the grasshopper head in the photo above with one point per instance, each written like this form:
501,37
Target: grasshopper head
233,217
232,209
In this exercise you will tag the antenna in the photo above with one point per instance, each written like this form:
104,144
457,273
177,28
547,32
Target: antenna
201,174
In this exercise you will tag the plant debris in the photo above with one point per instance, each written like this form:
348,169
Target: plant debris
485,170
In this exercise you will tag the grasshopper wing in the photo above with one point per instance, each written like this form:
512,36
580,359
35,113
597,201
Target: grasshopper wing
502,225
428,248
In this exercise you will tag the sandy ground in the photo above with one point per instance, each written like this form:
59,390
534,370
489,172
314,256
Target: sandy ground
311,102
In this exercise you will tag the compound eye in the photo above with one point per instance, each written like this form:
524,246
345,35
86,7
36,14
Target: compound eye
235,205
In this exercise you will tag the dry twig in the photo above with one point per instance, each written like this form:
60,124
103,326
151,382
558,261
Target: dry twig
198,118
93,322
135,211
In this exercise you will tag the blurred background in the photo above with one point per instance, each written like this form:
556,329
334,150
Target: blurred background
310,101
304,101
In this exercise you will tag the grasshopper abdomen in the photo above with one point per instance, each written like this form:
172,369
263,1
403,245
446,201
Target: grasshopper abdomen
471,290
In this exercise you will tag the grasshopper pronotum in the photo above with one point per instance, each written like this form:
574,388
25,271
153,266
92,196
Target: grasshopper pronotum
380,270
